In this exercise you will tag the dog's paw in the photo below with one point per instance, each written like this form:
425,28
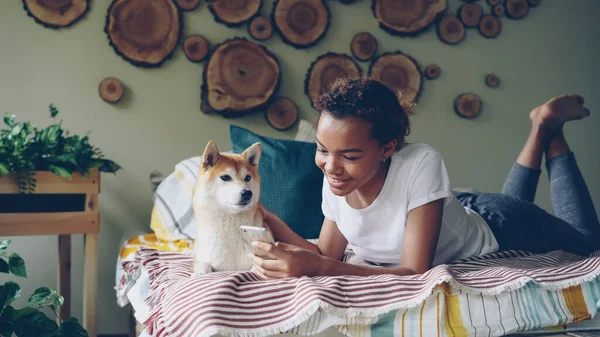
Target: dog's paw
201,268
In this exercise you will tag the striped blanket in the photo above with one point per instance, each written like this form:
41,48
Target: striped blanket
493,295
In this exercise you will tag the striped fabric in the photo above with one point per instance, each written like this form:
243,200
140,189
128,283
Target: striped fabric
492,295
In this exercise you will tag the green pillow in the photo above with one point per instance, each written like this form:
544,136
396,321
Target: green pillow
291,183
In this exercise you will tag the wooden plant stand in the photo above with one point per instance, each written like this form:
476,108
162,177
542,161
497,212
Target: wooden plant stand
86,221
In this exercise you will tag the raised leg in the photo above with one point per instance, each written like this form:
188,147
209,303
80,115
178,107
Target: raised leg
90,284
64,274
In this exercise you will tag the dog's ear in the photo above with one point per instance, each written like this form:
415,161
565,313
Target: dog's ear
210,156
252,154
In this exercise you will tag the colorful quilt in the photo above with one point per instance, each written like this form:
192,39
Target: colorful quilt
492,295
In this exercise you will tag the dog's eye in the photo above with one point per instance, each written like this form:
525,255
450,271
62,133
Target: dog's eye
247,178
226,178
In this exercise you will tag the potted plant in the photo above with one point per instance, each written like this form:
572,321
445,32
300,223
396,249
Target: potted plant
25,149
29,320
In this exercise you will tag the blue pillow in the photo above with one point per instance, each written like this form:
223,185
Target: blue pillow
291,183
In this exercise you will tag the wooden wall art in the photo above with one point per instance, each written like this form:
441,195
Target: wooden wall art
187,5
301,23
282,114
490,26
144,32
363,46
467,105
498,10
516,9
325,70
111,90
56,13
408,17
432,72
492,81
450,29
195,48
399,72
260,28
239,78
234,13
470,14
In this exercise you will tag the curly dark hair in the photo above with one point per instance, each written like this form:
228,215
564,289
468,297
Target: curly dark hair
371,101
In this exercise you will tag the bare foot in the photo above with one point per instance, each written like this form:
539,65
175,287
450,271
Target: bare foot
559,110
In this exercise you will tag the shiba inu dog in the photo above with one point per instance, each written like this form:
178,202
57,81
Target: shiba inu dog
226,196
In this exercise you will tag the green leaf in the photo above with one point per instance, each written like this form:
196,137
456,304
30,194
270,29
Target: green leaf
16,265
4,170
60,171
6,325
65,158
4,244
8,293
109,166
42,297
30,322
3,266
71,328
59,301
53,111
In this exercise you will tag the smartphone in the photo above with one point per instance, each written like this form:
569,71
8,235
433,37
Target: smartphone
254,233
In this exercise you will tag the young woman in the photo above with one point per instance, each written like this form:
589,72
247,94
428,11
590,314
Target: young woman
392,201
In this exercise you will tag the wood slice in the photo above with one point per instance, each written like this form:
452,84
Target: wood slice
56,13
325,70
534,3
239,78
144,32
467,105
282,114
195,48
260,28
470,14
493,3
407,17
450,29
188,5
492,81
432,72
301,23
490,26
399,72
234,13
498,10
516,9
111,90
363,46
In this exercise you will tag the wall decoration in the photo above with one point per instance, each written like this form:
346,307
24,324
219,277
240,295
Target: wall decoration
56,13
490,26
492,81
260,28
195,48
325,70
239,78
400,72
144,32
516,9
282,114
467,105
450,29
470,14
363,46
432,72
187,5
533,3
111,90
498,10
301,23
407,18
234,13
493,3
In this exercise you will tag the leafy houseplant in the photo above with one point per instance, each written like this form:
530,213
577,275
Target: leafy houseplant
25,149
30,321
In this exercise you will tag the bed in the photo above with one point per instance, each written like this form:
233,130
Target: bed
505,293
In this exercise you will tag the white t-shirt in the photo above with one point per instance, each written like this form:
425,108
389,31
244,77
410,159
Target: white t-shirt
417,175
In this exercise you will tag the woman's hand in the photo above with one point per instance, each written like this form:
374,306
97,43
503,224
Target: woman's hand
291,261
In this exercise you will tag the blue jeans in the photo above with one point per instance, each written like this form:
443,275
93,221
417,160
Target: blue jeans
517,223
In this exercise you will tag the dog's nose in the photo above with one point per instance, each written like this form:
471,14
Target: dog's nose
247,195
